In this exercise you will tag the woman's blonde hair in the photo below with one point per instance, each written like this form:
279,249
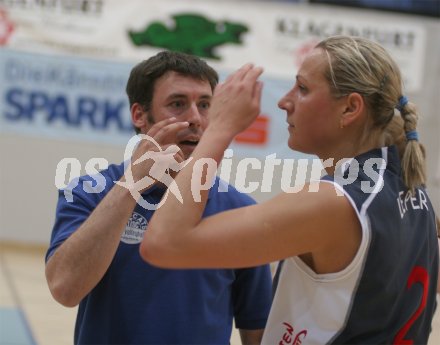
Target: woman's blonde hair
360,65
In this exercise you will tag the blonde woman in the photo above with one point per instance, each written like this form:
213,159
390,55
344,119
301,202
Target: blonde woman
359,247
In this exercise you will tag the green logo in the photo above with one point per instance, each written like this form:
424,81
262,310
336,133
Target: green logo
191,33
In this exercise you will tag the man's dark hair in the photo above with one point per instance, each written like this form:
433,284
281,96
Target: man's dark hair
140,84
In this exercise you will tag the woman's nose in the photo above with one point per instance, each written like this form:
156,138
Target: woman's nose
285,103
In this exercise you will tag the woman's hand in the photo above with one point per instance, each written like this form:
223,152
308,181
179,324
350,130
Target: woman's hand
236,102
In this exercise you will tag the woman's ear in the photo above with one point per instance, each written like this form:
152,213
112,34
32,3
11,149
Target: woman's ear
353,110
138,116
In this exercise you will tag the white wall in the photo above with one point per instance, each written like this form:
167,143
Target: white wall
28,193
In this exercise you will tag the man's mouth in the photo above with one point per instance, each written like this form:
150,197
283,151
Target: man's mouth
189,142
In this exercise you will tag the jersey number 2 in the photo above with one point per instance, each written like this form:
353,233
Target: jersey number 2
418,275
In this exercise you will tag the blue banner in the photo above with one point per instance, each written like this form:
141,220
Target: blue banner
64,97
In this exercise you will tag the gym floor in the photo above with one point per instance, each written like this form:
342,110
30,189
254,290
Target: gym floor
29,315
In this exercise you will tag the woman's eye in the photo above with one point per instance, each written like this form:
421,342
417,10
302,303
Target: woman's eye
301,87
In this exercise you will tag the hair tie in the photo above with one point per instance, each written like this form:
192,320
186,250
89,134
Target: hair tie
403,100
382,82
412,135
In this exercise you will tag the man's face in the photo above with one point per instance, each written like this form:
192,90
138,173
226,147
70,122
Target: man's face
186,99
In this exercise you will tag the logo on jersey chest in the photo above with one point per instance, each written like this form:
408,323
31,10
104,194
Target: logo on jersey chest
134,230
290,337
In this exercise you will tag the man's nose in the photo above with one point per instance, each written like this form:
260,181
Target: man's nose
193,116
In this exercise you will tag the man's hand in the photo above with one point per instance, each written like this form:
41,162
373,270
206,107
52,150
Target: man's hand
155,156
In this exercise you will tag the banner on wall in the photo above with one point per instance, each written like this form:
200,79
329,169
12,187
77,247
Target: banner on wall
64,98
81,99
64,63
228,34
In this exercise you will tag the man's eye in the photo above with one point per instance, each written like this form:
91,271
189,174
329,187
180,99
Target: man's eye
177,104
204,105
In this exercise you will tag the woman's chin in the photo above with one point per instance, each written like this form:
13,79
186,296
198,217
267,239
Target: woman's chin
297,147
292,145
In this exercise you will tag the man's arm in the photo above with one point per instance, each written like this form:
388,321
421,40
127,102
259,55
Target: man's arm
251,336
82,260
252,298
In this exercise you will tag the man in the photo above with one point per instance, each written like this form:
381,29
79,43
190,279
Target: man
94,261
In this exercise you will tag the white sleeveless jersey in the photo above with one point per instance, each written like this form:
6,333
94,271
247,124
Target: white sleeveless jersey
378,298
322,304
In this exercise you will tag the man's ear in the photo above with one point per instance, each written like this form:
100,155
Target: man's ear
138,116
353,109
